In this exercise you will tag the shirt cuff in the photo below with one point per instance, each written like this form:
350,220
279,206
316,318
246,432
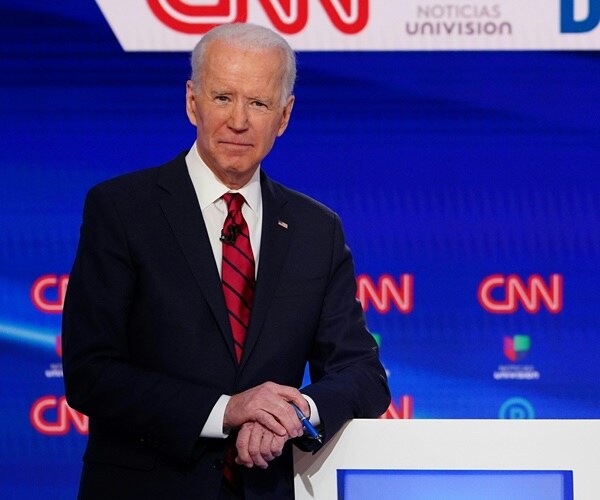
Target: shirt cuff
314,419
213,427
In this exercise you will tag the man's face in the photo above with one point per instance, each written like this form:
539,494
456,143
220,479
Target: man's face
238,110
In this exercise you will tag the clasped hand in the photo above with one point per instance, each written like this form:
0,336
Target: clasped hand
265,420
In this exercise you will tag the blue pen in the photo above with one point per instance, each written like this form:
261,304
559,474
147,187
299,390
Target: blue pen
310,428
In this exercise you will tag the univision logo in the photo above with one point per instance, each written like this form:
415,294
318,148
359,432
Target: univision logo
517,347
568,23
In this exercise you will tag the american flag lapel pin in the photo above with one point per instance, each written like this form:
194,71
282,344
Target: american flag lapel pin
283,224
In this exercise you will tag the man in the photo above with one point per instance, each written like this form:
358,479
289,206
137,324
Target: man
201,289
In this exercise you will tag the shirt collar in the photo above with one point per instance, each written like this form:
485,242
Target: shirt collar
209,188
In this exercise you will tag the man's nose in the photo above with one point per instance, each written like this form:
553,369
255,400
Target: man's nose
238,119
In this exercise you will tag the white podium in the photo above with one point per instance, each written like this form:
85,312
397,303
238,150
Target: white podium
488,449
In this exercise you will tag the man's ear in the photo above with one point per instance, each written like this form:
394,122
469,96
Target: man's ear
285,118
190,102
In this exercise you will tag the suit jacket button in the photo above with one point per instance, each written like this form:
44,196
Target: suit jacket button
218,464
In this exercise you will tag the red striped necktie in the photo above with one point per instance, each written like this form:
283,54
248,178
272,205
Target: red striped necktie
237,278
237,270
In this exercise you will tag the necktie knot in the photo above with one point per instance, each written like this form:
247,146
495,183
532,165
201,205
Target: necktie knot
234,219
234,201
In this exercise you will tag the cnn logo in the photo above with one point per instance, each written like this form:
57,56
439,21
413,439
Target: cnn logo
386,292
286,16
503,294
48,293
54,417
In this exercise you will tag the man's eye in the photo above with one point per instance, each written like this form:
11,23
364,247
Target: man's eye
259,104
222,98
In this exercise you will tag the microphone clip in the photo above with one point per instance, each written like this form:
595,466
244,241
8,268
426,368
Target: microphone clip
233,231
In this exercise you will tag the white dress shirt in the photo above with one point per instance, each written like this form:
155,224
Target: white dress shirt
209,190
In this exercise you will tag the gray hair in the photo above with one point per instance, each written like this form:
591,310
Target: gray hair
250,36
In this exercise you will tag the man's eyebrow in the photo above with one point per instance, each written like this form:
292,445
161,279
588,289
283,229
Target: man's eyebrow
264,99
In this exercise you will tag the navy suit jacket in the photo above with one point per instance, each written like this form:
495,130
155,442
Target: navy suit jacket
148,350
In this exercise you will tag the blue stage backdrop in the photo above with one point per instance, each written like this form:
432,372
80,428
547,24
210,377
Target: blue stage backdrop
468,183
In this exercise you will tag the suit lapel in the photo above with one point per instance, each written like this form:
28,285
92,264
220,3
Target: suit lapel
180,206
277,230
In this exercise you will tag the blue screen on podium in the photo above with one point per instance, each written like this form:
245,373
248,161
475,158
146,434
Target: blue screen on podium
454,484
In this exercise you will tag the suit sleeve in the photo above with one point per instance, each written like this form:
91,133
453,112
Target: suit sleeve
348,380
149,408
